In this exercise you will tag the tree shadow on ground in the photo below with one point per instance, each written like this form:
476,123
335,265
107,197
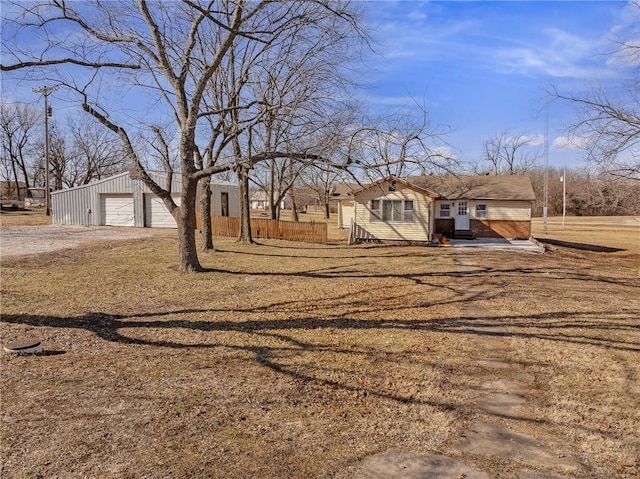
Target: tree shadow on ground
260,336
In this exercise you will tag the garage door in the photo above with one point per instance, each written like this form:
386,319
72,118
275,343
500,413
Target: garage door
156,214
116,210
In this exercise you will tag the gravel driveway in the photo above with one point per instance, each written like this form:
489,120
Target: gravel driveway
20,240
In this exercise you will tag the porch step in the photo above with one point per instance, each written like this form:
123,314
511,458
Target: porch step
464,234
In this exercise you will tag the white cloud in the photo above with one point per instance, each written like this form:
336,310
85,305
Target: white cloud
533,140
570,142
557,54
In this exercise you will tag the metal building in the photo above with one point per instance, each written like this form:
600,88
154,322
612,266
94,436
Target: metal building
123,200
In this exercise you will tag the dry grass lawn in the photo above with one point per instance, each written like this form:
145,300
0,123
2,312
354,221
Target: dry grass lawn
291,360
23,218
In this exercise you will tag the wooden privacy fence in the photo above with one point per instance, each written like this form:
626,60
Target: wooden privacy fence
262,228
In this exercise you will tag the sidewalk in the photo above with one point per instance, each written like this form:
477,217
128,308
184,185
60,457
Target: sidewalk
497,243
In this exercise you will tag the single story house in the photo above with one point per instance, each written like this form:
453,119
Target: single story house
259,200
124,200
417,208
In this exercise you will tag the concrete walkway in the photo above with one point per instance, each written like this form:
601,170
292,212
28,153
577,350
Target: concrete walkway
499,435
498,243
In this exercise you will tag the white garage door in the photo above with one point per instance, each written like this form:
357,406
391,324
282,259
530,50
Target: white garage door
116,210
156,214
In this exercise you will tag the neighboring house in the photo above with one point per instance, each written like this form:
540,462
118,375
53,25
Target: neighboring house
258,200
416,208
343,202
35,197
123,200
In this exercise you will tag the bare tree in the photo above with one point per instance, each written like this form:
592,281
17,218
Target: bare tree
399,144
61,157
608,128
506,154
608,124
155,49
322,182
18,126
98,154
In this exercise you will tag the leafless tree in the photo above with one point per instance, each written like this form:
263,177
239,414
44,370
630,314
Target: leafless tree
322,182
18,127
608,124
588,192
155,49
401,143
507,154
98,154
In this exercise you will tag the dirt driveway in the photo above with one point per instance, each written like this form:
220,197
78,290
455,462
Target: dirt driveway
20,240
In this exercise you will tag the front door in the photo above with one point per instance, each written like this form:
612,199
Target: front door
462,215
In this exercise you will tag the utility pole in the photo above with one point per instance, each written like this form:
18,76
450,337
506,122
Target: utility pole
545,193
45,91
564,193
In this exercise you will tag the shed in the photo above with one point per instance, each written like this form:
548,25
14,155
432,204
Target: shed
124,200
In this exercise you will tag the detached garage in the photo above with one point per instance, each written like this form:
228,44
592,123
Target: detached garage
116,210
122,200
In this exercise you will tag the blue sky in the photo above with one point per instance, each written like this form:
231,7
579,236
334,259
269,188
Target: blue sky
480,67
485,67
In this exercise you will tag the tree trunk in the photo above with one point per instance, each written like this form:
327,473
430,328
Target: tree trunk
273,204
294,206
245,218
327,211
206,231
185,216
15,177
294,209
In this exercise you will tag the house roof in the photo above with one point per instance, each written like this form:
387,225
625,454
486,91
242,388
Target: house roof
408,184
486,187
344,190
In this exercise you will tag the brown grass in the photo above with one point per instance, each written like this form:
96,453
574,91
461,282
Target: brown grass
618,232
23,218
289,360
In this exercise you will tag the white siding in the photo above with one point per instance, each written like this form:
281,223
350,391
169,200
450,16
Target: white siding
452,207
156,214
504,210
116,210
416,231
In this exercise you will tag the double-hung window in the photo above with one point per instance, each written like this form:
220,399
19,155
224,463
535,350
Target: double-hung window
481,211
392,211
445,210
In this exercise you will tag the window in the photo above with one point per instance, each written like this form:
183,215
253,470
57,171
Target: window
408,212
481,212
463,208
392,211
374,209
445,210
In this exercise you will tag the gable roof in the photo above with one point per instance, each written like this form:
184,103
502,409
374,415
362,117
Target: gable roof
485,187
344,190
409,184
489,187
